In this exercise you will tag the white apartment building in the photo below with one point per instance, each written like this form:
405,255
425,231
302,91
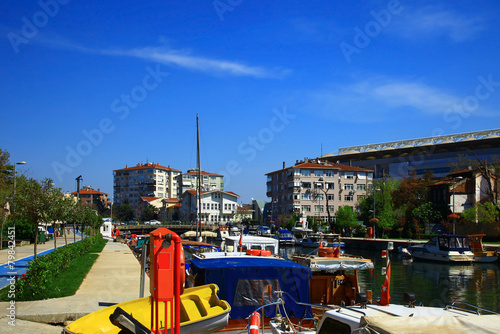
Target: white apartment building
313,187
209,181
217,206
144,180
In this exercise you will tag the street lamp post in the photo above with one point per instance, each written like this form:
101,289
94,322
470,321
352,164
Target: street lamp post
14,195
453,184
374,193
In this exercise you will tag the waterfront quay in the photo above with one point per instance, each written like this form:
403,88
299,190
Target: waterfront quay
114,278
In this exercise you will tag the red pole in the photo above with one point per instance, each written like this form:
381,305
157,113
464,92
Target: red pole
177,282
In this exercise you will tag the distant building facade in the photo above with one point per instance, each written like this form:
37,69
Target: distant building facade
89,197
209,181
130,184
419,156
217,206
312,187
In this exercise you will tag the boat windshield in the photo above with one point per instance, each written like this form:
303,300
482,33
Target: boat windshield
255,292
454,243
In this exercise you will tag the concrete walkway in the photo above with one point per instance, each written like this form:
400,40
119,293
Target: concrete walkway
21,255
114,278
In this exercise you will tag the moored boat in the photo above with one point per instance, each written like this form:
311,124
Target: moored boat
444,248
481,254
201,312
284,237
249,279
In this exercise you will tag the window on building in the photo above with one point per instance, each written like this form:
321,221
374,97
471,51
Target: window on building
305,172
329,173
349,175
306,208
306,197
330,197
331,208
330,185
360,197
318,173
318,208
361,187
318,185
348,198
306,185
348,186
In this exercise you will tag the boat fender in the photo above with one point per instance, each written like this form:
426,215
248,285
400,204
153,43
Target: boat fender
254,326
183,270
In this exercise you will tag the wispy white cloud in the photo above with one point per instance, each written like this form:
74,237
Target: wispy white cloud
378,99
181,58
434,21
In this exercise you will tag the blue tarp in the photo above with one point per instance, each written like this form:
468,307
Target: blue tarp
247,283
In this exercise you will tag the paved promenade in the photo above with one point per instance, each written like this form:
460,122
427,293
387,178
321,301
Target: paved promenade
21,255
114,278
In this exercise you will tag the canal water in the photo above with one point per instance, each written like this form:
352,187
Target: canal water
434,284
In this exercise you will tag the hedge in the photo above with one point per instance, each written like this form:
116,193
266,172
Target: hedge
38,279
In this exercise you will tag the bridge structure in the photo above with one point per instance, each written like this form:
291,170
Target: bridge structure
177,228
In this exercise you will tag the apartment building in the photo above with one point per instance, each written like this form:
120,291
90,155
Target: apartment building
209,181
90,197
314,187
217,206
151,179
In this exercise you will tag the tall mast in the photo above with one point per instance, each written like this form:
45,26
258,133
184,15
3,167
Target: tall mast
198,209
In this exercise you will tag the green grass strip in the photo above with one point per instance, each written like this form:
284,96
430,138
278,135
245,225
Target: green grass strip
67,281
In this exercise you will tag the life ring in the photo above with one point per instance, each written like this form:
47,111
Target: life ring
255,252
265,253
254,326
325,252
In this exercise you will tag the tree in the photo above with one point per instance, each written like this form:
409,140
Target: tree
124,212
149,213
346,217
33,203
6,174
426,214
485,213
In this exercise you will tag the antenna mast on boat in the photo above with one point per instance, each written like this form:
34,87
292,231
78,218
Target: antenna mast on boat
198,209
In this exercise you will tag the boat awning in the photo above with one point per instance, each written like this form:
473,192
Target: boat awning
441,324
247,283
344,265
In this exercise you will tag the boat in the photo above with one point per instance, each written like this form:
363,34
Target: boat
481,254
364,314
249,279
314,240
234,244
301,229
285,237
334,275
371,318
444,248
201,312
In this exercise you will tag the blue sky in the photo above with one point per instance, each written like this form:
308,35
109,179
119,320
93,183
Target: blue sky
93,86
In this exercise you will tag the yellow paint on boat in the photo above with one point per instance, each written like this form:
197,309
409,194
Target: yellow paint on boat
200,306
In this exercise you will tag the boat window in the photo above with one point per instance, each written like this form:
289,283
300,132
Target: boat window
252,292
443,244
271,249
333,326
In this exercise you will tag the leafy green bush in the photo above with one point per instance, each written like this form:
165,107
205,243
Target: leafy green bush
37,281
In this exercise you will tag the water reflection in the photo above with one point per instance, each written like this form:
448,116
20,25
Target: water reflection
434,284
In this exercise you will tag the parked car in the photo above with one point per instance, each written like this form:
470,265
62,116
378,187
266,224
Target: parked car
263,230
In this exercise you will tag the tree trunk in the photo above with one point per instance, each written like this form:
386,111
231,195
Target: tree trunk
65,235
36,241
55,236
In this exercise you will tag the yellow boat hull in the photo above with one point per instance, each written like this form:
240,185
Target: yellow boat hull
201,312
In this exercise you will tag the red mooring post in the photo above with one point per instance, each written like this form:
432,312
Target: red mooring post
165,279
